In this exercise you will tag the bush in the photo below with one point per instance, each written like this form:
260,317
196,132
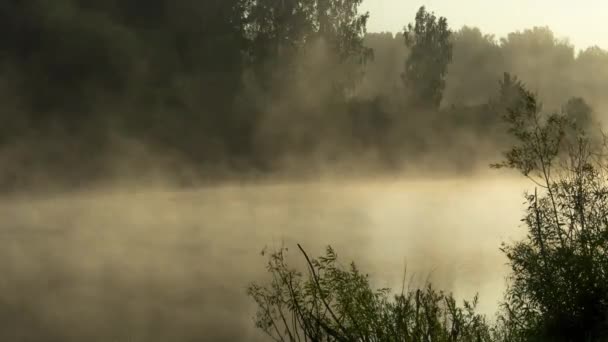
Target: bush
559,281
330,302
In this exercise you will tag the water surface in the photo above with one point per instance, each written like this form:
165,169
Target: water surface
163,265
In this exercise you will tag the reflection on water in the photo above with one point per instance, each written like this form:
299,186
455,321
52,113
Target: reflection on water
172,266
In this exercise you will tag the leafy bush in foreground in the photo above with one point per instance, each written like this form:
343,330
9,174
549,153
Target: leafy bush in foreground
330,302
559,281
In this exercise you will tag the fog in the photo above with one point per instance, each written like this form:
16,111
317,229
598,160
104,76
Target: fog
149,153
158,264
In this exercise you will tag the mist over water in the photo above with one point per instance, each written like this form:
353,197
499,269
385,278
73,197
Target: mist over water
194,134
167,265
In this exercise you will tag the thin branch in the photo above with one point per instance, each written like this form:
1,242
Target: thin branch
316,280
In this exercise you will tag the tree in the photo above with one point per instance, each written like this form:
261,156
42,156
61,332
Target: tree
430,54
280,31
559,282
64,54
476,51
340,23
580,113
543,61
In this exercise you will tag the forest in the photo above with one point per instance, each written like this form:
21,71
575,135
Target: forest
93,90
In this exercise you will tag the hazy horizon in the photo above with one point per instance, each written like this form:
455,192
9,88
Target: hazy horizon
580,23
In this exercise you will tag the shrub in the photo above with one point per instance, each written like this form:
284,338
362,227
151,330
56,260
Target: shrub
330,302
559,281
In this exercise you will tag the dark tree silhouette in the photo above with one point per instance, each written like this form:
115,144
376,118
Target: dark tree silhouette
220,82
558,285
430,54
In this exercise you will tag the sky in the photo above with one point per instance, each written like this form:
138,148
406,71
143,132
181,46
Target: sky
583,22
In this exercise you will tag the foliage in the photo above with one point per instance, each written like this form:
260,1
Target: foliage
431,53
281,31
218,83
330,302
578,111
473,50
559,281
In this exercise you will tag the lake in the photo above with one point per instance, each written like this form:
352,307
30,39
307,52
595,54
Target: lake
158,264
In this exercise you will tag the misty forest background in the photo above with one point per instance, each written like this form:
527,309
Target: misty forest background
253,87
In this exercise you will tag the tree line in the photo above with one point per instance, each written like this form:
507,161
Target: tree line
259,84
